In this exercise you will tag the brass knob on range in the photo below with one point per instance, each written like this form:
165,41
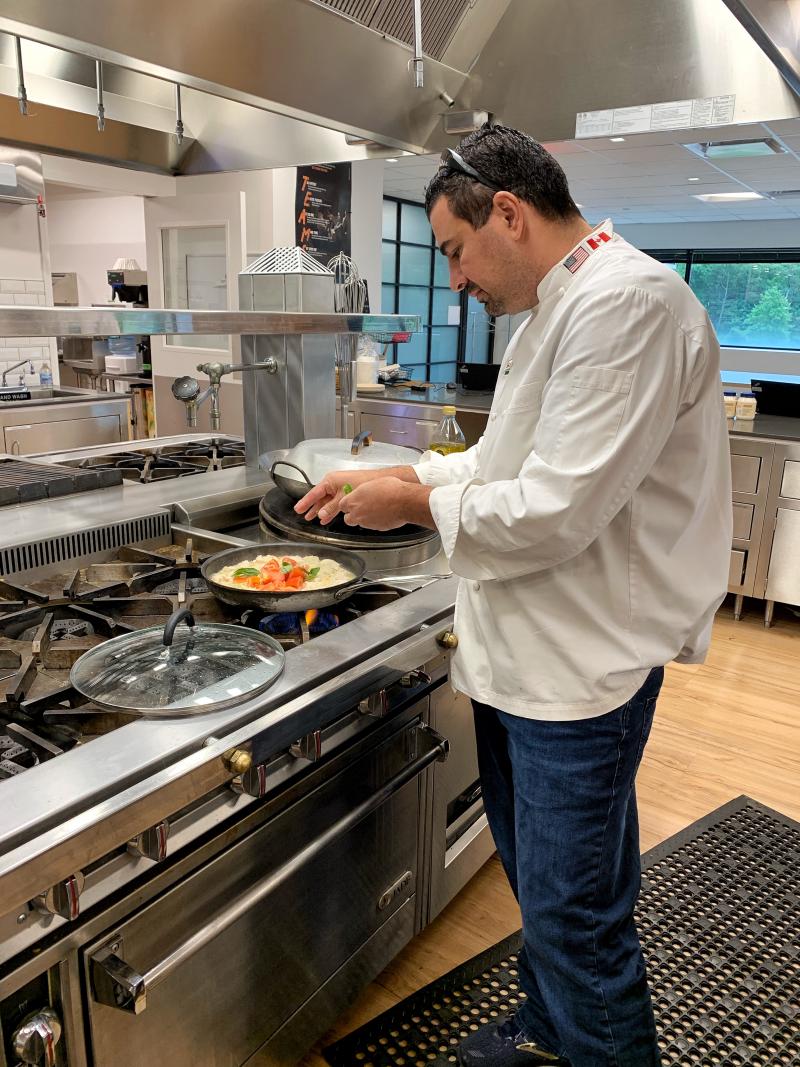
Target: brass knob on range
35,1040
447,639
238,760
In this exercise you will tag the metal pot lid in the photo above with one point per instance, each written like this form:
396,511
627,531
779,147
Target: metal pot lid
175,670
318,456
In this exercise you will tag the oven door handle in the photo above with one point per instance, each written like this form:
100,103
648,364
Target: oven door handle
119,985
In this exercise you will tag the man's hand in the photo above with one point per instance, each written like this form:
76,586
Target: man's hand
326,496
385,504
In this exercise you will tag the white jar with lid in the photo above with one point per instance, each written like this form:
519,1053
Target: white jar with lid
730,404
746,407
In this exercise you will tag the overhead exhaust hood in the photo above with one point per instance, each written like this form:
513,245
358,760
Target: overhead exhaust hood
295,81
775,26
21,179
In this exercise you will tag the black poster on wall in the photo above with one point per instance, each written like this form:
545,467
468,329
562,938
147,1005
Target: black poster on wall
322,209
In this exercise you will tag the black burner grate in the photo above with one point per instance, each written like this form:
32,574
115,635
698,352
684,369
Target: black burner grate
718,917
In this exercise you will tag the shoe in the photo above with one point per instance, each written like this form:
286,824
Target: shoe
504,1045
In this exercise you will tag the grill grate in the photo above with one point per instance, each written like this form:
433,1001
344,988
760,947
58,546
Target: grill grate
83,543
718,919
395,18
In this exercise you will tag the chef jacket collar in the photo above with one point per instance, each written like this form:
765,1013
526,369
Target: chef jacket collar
565,271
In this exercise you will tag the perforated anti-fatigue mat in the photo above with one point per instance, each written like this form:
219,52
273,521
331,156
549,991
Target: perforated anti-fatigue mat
718,918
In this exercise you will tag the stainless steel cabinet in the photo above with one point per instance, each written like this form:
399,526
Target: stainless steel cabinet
751,464
65,433
778,575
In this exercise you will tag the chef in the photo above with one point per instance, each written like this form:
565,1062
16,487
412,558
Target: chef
591,529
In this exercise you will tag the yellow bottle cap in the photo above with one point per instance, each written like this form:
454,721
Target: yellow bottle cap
449,409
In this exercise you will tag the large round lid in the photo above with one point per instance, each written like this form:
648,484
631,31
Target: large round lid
176,670
317,456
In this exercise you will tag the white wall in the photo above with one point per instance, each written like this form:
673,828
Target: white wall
20,254
23,282
88,234
768,234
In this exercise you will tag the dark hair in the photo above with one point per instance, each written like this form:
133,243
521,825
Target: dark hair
512,160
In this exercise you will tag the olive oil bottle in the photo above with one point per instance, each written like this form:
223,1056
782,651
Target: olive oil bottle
448,436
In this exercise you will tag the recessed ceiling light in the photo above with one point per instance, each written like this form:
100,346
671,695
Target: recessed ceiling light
693,179
617,140
721,198
392,160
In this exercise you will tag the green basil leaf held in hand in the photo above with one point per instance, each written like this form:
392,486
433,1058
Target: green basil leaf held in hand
347,488
245,572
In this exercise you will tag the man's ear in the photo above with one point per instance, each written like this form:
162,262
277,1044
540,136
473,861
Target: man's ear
509,209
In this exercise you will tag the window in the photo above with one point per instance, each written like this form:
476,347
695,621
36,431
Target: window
752,298
195,276
416,281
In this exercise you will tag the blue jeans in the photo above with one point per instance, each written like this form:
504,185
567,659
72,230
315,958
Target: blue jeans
561,804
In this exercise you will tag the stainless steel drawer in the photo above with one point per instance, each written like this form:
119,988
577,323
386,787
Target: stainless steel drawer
399,431
783,579
745,473
790,483
742,520
736,570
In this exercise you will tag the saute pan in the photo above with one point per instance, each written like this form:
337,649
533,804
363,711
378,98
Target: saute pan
298,600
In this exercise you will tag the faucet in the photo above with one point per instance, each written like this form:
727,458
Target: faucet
187,389
21,363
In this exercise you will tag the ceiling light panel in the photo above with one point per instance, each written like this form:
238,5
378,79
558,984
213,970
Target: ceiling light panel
727,198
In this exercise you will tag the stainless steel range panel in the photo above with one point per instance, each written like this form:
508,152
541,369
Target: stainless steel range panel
156,876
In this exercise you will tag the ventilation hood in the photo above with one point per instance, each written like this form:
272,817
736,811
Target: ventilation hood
21,179
268,83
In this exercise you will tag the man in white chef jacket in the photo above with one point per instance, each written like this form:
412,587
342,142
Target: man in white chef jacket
591,529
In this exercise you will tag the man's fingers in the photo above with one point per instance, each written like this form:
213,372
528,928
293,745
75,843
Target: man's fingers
313,496
331,508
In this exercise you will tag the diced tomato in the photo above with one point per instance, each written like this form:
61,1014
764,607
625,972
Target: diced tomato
295,581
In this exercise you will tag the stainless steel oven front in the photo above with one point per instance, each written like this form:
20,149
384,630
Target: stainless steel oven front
223,968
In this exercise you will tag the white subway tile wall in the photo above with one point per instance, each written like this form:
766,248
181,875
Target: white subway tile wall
37,351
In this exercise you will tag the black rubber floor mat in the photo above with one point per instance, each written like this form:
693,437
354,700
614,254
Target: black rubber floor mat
718,918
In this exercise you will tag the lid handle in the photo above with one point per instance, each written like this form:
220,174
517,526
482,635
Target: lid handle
172,623
363,438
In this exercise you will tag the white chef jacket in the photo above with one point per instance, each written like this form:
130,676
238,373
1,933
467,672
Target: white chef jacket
591,525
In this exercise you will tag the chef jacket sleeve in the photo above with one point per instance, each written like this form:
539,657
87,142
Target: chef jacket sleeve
433,469
607,411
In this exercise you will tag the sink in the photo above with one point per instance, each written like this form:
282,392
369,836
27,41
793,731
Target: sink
48,392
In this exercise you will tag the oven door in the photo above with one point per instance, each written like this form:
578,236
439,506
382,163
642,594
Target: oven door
222,964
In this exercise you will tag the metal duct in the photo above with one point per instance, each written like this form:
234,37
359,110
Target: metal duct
775,26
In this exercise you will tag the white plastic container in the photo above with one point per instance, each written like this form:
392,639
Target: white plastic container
730,404
124,364
746,407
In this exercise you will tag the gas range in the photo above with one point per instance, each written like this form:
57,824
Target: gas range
47,623
162,461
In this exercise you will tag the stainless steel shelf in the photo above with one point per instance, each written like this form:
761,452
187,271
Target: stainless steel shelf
112,322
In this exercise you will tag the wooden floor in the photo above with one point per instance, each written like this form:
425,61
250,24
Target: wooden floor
723,728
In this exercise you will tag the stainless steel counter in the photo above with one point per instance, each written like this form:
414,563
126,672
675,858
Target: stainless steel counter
436,396
776,427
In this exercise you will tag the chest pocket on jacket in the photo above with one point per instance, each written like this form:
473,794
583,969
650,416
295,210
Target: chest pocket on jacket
598,397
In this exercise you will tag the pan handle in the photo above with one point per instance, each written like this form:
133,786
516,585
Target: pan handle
172,623
284,463
397,579
363,438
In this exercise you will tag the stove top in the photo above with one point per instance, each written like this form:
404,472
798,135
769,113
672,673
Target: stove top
47,623
166,461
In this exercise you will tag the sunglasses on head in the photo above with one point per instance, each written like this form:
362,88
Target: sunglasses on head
453,163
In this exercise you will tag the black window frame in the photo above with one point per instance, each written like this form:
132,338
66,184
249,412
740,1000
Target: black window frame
431,287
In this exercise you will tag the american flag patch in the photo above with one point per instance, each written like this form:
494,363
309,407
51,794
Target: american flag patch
574,260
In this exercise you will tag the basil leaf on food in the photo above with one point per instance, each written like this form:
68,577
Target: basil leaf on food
245,572
313,572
